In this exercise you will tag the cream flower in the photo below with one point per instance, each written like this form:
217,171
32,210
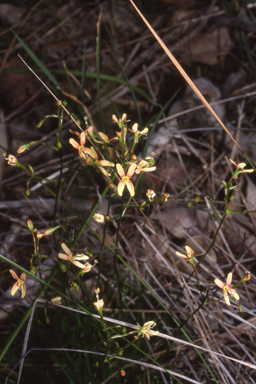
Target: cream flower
125,179
19,283
99,217
146,331
101,163
189,255
12,160
119,121
150,194
73,259
144,166
135,130
227,289
99,304
241,166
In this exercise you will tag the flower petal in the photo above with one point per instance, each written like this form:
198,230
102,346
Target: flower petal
62,256
189,251
23,276
181,255
148,169
219,283
14,289
233,162
144,131
241,165
226,298
106,163
93,154
83,138
130,187
229,279
232,292
120,171
80,257
135,127
13,274
74,143
131,170
105,173
77,264
120,188
23,290
66,249
103,136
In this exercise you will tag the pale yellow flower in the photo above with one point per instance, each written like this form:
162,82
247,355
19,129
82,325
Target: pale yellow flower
99,304
150,194
227,289
99,217
125,179
101,163
146,331
69,257
19,283
81,148
144,166
12,160
189,255
241,166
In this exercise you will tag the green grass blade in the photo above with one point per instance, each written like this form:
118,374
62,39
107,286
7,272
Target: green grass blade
37,61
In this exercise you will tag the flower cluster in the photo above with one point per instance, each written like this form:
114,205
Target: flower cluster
128,167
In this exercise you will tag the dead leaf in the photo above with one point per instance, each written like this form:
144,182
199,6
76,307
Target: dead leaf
176,219
208,47
11,14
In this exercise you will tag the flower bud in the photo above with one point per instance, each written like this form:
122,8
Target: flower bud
48,231
30,225
63,267
12,160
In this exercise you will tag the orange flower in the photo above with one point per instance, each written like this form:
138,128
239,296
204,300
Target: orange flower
81,148
20,283
125,179
73,259
227,289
